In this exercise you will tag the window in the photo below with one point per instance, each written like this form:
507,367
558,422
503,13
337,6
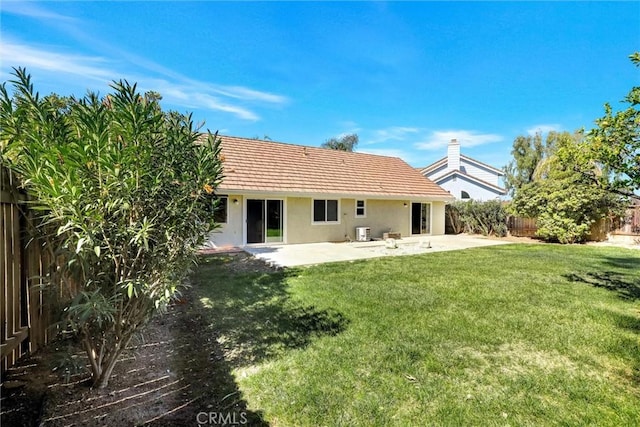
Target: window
361,210
220,214
325,211
464,195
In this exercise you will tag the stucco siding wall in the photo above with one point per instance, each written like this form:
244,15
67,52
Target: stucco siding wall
437,212
299,228
229,234
381,216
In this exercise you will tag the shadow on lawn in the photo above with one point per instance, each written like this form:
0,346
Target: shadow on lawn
625,282
235,317
252,315
626,288
627,347
214,396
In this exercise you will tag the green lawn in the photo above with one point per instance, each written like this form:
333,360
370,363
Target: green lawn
505,335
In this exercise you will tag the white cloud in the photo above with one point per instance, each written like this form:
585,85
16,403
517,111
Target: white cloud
390,152
175,88
467,138
194,95
543,128
31,10
17,54
350,127
393,133
114,63
244,93
214,103
349,124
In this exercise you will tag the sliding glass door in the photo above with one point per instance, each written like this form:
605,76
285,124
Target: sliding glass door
264,221
420,218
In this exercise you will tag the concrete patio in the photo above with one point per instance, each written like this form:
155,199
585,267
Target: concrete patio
318,253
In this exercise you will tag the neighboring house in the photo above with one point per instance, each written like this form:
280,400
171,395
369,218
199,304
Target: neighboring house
464,177
275,192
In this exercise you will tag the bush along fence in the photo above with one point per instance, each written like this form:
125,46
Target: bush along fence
490,218
25,316
628,225
486,218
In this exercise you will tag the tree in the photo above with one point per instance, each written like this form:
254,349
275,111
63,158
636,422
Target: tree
125,195
344,143
565,206
615,143
528,151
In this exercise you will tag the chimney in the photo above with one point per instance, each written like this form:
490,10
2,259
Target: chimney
453,155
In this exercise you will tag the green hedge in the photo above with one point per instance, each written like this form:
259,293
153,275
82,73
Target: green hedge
486,218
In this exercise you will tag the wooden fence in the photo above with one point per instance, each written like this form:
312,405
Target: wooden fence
24,315
522,227
630,224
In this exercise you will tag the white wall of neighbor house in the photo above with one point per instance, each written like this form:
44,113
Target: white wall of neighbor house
479,172
380,215
456,185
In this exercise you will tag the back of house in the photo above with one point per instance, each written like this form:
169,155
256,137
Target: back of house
283,193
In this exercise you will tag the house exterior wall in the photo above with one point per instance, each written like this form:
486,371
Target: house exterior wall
229,234
300,228
438,214
381,216
480,173
438,172
456,184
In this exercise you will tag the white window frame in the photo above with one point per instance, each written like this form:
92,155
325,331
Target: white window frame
364,208
325,222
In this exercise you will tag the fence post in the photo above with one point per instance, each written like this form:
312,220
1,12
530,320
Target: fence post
24,320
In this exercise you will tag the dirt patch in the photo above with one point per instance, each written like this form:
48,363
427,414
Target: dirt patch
172,376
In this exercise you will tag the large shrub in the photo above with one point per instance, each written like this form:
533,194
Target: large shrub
125,196
564,203
564,206
486,218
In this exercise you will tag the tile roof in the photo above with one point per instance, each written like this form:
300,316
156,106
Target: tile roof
264,166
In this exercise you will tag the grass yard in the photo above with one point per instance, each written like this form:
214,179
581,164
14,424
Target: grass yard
505,335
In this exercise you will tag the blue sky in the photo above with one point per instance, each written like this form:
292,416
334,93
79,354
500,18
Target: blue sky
405,76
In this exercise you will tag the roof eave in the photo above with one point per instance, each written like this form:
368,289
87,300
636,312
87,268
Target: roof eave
318,194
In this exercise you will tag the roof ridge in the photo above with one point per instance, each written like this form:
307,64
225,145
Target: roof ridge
313,147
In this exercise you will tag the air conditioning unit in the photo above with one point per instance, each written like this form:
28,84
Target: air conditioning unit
363,234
